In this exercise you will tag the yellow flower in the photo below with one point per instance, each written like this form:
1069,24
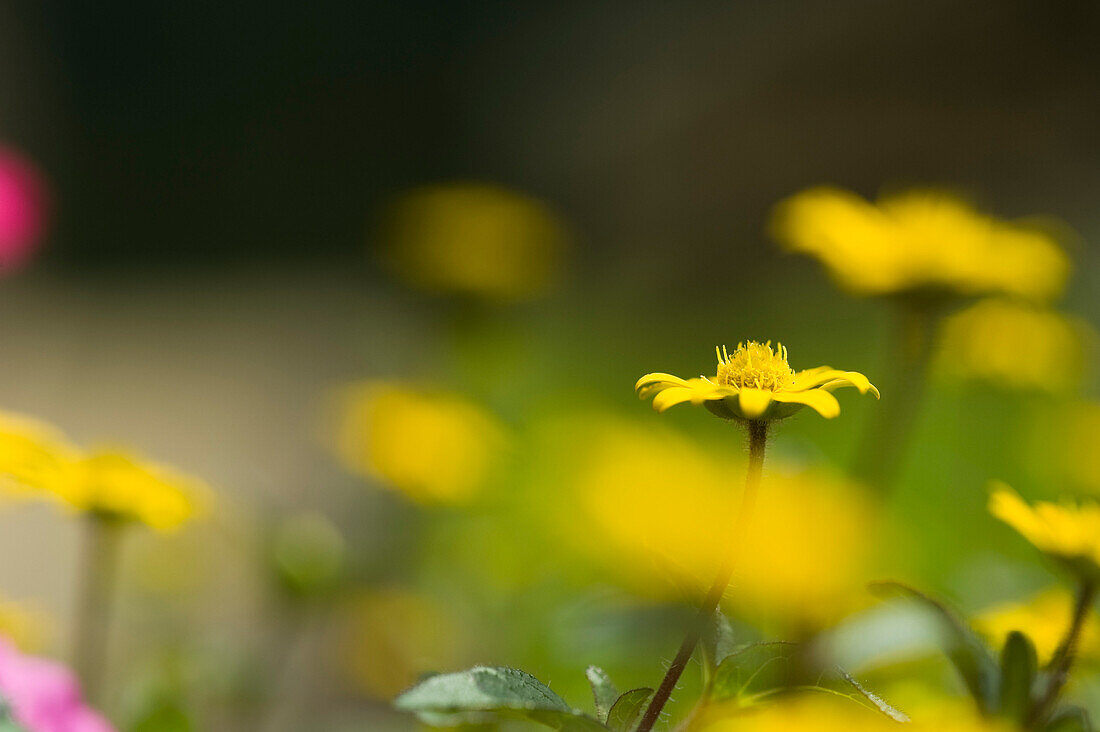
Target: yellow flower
1044,618
109,483
754,383
474,239
827,713
1015,345
1067,532
433,446
812,538
921,240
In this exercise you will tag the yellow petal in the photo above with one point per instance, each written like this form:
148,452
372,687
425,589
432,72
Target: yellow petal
753,402
672,396
655,382
812,378
819,400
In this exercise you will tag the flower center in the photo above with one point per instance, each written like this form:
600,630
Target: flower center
756,365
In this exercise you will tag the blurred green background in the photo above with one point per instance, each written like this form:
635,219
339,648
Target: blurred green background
223,179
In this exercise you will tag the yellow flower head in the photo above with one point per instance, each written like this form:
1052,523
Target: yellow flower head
431,445
920,240
1044,618
474,239
755,382
1014,345
1067,532
108,483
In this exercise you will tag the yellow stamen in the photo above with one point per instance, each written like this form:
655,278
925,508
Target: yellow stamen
754,365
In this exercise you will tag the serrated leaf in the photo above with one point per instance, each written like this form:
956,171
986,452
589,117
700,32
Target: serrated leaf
751,668
471,694
964,648
1018,668
878,702
1069,719
603,691
627,710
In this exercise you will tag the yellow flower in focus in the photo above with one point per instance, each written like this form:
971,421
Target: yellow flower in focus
920,240
474,239
109,483
1067,532
433,446
393,636
653,507
755,382
1014,345
1044,618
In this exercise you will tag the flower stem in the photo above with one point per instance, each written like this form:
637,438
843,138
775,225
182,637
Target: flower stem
101,548
1062,660
758,437
887,434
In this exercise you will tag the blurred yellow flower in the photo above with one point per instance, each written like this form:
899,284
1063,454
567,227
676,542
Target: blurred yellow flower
754,383
395,635
1044,618
433,446
827,713
107,482
474,239
653,506
1067,532
27,626
920,240
1015,345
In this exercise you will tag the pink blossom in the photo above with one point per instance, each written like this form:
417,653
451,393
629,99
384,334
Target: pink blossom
43,695
22,209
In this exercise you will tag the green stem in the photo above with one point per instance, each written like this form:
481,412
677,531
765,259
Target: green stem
888,432
101,550
1062,660
758,438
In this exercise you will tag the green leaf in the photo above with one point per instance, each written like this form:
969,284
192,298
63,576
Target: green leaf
603,691
509,692
1069,719
964,648
752,668
627,710
718,640
878,702
1018,667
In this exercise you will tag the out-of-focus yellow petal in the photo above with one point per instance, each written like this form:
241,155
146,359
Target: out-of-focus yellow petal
819,400
754,402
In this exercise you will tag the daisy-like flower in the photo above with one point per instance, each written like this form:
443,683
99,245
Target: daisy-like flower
1067,532
754,383
920,241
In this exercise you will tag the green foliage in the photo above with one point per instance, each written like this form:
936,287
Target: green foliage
752,668
970,656
484,692
1069,719
7,722
628,709
877,701
1018,668
603,691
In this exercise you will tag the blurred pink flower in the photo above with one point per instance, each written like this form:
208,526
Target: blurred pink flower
43,695
22,208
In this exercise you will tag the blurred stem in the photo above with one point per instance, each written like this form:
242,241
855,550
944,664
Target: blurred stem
1062,660
93,616
758,438
887,434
